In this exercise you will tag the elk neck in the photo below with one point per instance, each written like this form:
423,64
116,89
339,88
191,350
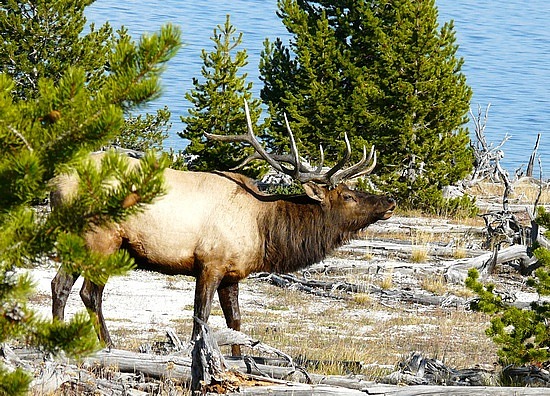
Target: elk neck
299,232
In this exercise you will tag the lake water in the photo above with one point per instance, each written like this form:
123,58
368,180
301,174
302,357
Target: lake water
505,45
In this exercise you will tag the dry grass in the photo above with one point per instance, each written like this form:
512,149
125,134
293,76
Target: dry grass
363,298
365,332
459,252
386,283
419,254
419,242
524,191
434,283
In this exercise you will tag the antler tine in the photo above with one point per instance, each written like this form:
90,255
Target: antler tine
248,138
340,163
322,160
359,168
286,158
293,149
256,144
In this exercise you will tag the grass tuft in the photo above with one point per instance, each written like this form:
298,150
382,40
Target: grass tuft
386,283
434,283
419,254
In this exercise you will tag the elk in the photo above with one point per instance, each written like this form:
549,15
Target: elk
219,228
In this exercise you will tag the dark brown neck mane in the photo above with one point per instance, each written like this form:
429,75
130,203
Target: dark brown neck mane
298,233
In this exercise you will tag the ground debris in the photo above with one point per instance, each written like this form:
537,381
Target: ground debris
416,369
527,375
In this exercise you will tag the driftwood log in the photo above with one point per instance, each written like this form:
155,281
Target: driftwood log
335,289
177,369
422,390
457,270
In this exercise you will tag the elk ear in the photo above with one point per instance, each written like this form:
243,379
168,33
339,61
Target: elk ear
314,191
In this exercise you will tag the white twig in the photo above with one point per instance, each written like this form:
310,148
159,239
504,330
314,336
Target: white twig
20,136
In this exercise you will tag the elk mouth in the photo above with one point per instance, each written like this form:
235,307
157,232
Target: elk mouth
389,212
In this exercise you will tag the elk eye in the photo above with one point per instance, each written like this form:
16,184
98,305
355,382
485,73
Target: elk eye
348,197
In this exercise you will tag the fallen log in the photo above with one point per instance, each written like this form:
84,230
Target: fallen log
155,366
335,289
175,370
416,369
457,270
178,369
403,249
295,389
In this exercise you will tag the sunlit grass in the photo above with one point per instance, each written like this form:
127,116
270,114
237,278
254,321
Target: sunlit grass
434,283
524,191
459,252
364,332
386,283
419,254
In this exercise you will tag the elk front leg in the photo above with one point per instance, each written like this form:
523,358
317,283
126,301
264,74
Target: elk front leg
206,285
92,297
61,285
229,301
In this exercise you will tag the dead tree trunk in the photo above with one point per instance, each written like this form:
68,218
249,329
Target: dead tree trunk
530,165
458,270
208,367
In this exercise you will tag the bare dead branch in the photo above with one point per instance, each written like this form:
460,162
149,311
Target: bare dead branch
529,172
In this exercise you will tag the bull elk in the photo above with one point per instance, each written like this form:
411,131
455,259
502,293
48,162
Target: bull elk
219,228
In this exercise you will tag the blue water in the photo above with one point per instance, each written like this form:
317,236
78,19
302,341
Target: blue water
506,49
505,45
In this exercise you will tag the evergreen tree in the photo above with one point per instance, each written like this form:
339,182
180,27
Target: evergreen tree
308,87
219,106
523,334
42,38
382,72
45,127
145,132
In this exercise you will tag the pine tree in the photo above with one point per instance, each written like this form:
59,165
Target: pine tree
145,132
382,72
41,38
308,88
219,106
48,124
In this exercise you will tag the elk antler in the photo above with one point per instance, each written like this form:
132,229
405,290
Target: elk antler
300,171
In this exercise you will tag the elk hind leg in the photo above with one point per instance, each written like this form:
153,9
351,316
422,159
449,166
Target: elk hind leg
229,301
61,286
92,297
